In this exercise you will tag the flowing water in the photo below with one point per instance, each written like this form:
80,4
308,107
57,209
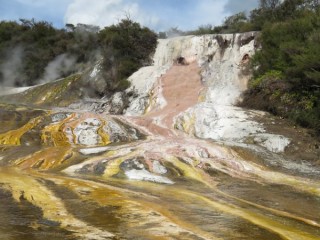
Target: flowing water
162,175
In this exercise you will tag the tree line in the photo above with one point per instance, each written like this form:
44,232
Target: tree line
125,47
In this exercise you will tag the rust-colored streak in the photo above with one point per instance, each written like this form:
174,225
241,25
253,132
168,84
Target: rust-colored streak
181,87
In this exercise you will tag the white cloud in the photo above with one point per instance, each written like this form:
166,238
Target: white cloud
191,16
184,14
105,12
210,12
159,15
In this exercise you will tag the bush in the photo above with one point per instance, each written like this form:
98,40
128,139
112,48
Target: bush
286,79
126,47
266,79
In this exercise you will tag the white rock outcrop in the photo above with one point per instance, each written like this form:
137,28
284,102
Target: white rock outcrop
223,60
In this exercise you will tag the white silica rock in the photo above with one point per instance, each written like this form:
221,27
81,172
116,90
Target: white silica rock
144,175
223,74
120,133
94,150
273,142
87,132
142,82
158,168
217,122
223,60
221,66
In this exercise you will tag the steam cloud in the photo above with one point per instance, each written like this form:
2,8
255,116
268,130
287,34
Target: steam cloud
11,68
100,12
58,67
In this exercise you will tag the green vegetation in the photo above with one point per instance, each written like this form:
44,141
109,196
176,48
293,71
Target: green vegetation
286,70
128,47
39,43
32,51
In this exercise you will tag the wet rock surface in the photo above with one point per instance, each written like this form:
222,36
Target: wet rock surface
183,163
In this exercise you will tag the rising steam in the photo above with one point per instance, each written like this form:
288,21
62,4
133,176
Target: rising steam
11,68
60,66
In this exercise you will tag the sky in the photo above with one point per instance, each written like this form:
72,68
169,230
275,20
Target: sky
159,15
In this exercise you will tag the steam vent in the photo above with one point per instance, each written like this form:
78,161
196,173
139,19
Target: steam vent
174,159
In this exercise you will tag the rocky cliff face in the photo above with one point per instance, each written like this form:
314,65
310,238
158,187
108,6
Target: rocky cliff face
223,62
222,58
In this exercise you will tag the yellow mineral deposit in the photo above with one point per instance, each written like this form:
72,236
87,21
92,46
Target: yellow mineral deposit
188,171
13,137
46,159
22,185
114,165
130,202
77,119
105,138
62,133
286,232
273,225
55,133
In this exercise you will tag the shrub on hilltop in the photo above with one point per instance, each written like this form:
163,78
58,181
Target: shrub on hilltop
126,47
